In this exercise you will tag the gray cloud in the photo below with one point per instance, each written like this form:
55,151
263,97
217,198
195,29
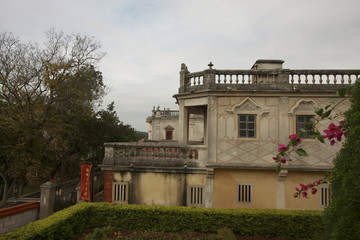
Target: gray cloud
146,41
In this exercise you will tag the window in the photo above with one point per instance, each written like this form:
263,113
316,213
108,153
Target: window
244,193
195,196
247,125
169,134
324,196
120,192
304,122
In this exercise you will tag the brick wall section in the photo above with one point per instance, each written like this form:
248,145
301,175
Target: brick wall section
108,184
18,216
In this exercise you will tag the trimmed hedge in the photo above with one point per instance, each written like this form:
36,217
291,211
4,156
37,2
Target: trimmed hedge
247,222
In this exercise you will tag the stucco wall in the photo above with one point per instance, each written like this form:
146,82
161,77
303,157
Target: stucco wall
266,189
293,179
162,188
263,185
276,120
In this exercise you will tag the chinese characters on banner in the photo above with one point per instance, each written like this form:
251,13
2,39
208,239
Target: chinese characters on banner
85,182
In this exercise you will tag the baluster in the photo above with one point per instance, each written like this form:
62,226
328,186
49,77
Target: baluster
237,79
327,79
188,154
342,79
320,80
291,79
218,79
231,76
306,79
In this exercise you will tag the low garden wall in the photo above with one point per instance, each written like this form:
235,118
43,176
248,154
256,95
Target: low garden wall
18,216
247,222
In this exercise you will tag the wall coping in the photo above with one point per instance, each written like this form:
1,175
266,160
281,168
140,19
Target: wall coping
18,209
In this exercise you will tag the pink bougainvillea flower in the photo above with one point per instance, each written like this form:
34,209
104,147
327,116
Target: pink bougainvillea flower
335,132
282,160
311,185
282,147
294,138
304,194
304,187
313,191
318,182
297,189
295,195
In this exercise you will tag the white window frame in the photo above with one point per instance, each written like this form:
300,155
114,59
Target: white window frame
244,193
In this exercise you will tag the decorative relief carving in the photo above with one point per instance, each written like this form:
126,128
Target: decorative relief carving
212,103
284,102
304,106
249,105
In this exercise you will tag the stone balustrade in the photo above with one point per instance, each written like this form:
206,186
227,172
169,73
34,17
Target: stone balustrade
170,113
213,79
151,154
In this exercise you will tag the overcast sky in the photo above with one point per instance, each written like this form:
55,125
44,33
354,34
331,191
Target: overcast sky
146,41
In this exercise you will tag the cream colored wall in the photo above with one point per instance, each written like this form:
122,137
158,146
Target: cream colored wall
263,184
276,120
196,127
293,179
163,189
159,125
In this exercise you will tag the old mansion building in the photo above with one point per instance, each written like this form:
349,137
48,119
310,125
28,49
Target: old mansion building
216,150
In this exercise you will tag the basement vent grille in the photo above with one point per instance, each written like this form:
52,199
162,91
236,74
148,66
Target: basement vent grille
244,193
196,196
120,192
324,196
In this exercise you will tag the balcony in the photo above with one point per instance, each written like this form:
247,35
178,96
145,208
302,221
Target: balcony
153,155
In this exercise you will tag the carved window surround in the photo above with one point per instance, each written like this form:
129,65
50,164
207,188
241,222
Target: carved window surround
248,106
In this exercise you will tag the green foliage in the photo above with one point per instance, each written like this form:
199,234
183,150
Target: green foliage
301,152
99,233
48,99
226,234
342,216
247,222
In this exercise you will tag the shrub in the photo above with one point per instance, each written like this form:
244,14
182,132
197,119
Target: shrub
247,222
342,216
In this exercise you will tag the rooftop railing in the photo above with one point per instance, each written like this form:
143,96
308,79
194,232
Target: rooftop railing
213,79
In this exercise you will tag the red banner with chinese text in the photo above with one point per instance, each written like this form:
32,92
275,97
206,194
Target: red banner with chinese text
85,182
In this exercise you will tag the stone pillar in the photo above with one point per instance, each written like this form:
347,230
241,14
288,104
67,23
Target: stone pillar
182,134
280,189
108,184
284,130
47,199
211,131
183,78
209,188
209,79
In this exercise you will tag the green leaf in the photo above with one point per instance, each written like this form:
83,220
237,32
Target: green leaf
314,134
302,130
326,107
342,92
320,138
320,111
326,114
301,152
